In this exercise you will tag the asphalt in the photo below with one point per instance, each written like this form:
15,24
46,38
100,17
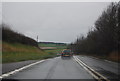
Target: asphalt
107,68
64,68
7,67
55,68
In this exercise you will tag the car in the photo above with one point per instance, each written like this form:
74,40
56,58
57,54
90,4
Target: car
66,53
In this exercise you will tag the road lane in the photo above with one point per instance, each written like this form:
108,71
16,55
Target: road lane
108,69
7,67
55,68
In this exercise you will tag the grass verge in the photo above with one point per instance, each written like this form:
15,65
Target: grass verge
15,52
53,52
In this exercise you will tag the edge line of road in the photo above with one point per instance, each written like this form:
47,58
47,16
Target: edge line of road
95,74
20,69
85,68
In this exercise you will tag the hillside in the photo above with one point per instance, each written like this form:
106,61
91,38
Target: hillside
52,44
9,35
18,47
14,52
52,48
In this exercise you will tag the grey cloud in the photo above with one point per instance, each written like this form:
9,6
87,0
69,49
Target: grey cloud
61,22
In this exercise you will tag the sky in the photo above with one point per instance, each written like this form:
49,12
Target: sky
52,21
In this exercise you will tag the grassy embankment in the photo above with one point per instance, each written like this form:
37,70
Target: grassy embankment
18,47
15,52
58,49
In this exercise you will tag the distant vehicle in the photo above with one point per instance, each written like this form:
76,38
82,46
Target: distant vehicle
66,53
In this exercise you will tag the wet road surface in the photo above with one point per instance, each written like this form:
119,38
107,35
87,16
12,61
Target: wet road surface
107,68
68,68
7,67
56,68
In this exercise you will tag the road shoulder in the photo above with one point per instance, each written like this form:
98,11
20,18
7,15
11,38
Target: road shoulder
7,67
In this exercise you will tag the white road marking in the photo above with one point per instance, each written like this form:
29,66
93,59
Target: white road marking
90,70
85,68
76,59
108,61
20,69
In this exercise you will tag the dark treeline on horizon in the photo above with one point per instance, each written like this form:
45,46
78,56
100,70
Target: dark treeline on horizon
53,43
105,37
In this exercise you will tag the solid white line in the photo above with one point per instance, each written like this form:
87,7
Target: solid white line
91,69
20,69
85,68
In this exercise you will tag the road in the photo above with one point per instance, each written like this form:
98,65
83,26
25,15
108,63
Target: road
107,68
68,68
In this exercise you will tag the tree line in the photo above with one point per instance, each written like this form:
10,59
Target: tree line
104,38
62,44
8,35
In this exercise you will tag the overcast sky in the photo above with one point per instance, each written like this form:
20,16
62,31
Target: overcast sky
57,22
